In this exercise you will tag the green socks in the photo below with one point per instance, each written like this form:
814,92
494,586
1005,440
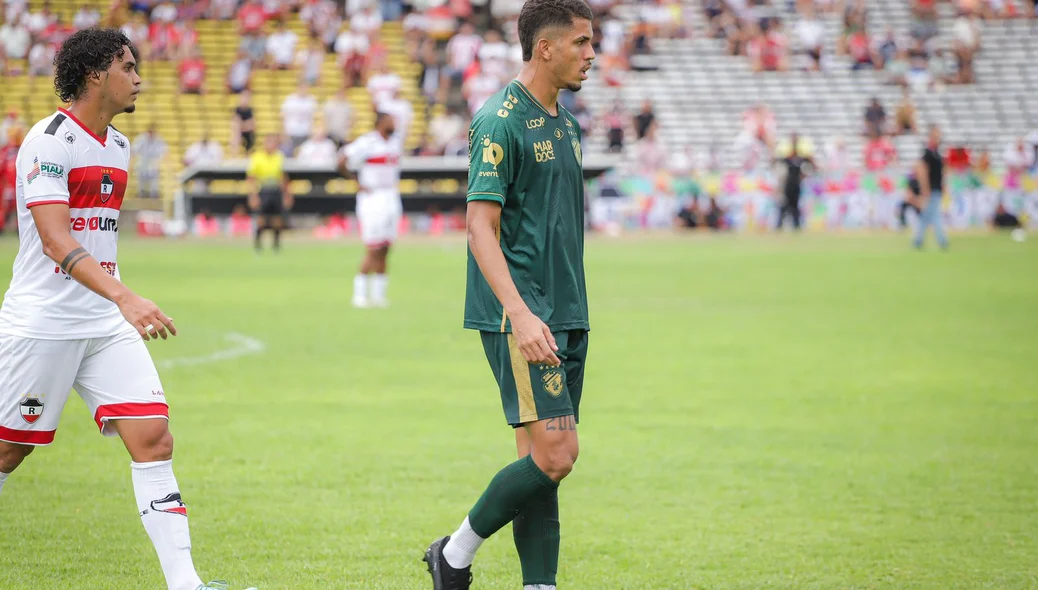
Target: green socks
509,492
536,535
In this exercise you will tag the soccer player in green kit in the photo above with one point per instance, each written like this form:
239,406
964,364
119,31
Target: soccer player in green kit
525,289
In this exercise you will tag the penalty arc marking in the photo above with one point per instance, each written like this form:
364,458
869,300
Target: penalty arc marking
242,345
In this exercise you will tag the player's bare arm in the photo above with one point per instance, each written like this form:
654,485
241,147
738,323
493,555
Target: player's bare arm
483,220
253,187
58,244
286,192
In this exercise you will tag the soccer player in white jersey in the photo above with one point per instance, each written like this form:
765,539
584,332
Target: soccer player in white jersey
67,320
375,157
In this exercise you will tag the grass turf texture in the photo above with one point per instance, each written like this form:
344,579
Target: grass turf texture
809,412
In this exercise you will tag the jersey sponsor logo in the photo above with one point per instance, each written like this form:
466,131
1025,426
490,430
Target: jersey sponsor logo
492,153
119,141
535,123
52,170
569,123
171,504
31,176
552,381
107,266
31,409
95,223
70,138
576,151
543,151
558,133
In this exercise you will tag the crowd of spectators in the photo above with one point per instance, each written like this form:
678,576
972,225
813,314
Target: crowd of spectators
757,29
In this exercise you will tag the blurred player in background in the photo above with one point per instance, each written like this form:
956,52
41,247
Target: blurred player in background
930,172
375,158
8,174
67,320
525,290
269,195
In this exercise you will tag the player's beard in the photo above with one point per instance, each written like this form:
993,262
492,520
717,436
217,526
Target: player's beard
130,109
574,87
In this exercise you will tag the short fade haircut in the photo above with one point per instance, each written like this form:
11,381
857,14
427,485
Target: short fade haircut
537,15
84,54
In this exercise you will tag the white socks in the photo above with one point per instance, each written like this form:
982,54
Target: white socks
3,478
376,285
538,587
165,519
379,284
461,547
360,290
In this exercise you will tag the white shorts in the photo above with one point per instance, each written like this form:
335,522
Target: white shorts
378,213
114,375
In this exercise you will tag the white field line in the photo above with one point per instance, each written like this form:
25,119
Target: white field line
242,345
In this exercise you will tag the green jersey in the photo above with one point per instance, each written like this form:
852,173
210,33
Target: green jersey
529,161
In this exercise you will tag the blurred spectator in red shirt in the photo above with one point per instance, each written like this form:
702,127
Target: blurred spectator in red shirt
959,158
351,47
251,18
768,49
192,72
859,48
759,122
879,153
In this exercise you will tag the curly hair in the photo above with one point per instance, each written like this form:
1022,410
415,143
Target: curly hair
537,15
86,53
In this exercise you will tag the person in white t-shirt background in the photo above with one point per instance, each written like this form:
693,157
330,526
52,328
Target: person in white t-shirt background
281,47
319,150
297,116
67,320
375,158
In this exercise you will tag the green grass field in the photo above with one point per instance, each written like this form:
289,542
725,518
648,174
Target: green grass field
759,412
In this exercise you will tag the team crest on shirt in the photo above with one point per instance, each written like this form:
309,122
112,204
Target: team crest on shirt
558,133
552,381
31,409
69,137
107,187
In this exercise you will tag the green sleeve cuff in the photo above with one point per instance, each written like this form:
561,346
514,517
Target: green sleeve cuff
484,196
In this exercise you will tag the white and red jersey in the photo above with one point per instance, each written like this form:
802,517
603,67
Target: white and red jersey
61,161
376,160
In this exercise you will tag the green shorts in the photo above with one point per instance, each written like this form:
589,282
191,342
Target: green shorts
536,392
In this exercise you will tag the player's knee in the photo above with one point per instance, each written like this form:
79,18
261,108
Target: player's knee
12,455
559,461
155,446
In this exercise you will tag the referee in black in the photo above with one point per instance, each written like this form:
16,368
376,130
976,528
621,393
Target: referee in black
797,167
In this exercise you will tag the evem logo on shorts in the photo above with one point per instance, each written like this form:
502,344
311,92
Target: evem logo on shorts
94,224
